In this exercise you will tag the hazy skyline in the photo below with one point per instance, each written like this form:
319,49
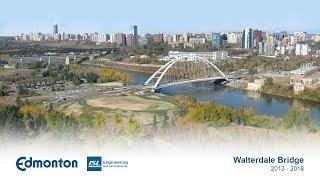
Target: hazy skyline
165,16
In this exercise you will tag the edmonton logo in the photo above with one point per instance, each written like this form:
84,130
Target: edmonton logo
23,163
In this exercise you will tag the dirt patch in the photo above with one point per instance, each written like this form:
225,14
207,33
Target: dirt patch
154,97
73,108
131,103
111,84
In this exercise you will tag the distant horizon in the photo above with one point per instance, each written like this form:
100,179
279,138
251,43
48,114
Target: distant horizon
315,32
165,16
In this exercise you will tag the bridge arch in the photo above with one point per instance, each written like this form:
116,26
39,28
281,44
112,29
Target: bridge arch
159,74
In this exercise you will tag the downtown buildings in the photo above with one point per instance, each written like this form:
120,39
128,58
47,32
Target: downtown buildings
249,40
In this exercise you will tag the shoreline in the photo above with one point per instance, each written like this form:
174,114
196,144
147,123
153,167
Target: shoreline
275,94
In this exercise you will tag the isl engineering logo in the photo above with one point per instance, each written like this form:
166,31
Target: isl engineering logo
94,163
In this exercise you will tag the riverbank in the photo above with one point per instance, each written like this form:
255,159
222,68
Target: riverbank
242,84
146,68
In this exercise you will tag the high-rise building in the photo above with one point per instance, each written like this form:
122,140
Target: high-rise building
158,37
262,48
120,39
57,37
247,38
185,37
208,37
317,38
131,40
167,38
297,37
25,37
94,37
133,29
197,40
257,37
55,29
216,40
233,38
176,38
103,38
144,39
283,34
302,49
112,39
270,45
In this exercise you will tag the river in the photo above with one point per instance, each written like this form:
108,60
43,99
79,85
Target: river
263,104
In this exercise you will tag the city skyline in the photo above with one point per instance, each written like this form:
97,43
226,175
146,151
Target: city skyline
166,16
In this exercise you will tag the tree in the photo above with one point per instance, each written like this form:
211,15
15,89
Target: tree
11,121
100,125
154,123
4,90
77,81
59,125
18,100
91,77
253,71
22,91
297,119
118,123
33,119
133,128
85,120
269,81
210,113
246,116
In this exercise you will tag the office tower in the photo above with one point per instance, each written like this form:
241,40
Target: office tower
270,45
185,37
120,39
298,37
302,49
208,37
131,40
94,37
55,29
112,40
144,39
216,40
158,37
247,38
167,38
103,38
282,34
262,48
233,38
257,37
176,38
134,31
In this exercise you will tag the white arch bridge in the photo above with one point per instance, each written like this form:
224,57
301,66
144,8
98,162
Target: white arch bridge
185,69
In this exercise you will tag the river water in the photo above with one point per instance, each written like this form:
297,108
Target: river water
263,104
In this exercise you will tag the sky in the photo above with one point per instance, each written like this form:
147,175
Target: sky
152,16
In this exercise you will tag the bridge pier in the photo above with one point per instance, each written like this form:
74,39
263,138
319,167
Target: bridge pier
220,81
156,90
